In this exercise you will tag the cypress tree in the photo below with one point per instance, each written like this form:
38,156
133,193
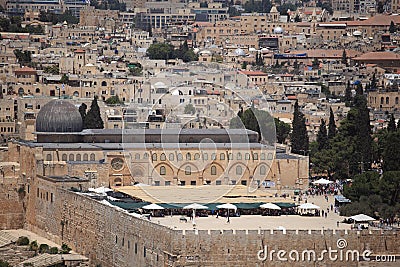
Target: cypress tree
392,124
299,137
348,96
373,82
322,136
93,119
332,125
344,57
363,131
82,111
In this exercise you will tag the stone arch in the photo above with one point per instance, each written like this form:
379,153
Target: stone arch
169,174
64,157
257,174
85,157
71,157
78,157
194,169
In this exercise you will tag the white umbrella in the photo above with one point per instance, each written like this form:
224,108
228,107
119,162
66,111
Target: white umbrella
152,207
195,207
308,206
362,218
322,181
228,207
270,206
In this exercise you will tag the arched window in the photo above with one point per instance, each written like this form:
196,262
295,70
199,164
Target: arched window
263,170
180,157
154,157
78,157
48,157
222,156
382,100
76,93
64,157
247,156
37,90
387,100
103,83
71,157
396,100
255,156
163,171
92,157
213,170
205,156
171,157
85,157
230,156
196,156
239,156
188,156
213,156
137,156
163,157
239,170
262,156
146,155
188,170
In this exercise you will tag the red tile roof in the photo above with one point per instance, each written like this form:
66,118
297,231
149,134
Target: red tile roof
253,73
378,56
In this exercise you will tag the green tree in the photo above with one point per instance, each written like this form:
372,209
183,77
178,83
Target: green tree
53,69
331,125
359,89
391,152
391,124
34,246
344,57
348,97
22,241
392,27
93,119
64,79
299,137
322,136
82,111
113,100
160,51
374,82
282,130
53,250
65,249
4,264
189,109
44,248
23,57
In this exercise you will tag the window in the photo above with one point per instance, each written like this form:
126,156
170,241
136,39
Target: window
180,157
157,183
262,156
255,156
188,170
218,182
263,170
239,170
154,157
396,101
239,156
163,171
387,100
196,156
205,156
171,157
269,156
233,182
167,183
163,157
64,157
71,157
188,156
213,170
213,156
243,182
222,156
230,156
92,157
78,157
137,156
247,156
85,157
48,157
146,155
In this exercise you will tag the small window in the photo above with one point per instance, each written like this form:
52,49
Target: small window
64,157
239,156
137,156
48,157
263,170
196,156
71,157
167,183
269,156
171,157
162,157
180,157
92,157
213,156
239,170
222,156
262,157
188,156
157,183
205,156
154,157
188,170
193,183
230,156
233,182
213,170
146,155
247,156
163,171
85,157
218,182
255,156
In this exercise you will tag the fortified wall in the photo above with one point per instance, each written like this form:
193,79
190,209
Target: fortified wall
12,205
112,237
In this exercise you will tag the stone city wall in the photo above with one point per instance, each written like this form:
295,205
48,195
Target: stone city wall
112,237
11,205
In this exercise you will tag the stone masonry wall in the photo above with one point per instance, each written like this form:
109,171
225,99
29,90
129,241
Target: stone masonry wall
12,207
112,237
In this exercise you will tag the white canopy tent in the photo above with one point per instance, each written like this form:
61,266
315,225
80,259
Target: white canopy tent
152,207
270,206
308,206
362,218
195,207
227,206
322,181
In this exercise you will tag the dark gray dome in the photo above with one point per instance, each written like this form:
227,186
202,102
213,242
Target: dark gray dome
59,116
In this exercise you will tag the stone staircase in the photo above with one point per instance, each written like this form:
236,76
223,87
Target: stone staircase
43,260
6,238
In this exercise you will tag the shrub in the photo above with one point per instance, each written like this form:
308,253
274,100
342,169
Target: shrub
4,264
33,246
23,241
53,250
43,248
65,249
